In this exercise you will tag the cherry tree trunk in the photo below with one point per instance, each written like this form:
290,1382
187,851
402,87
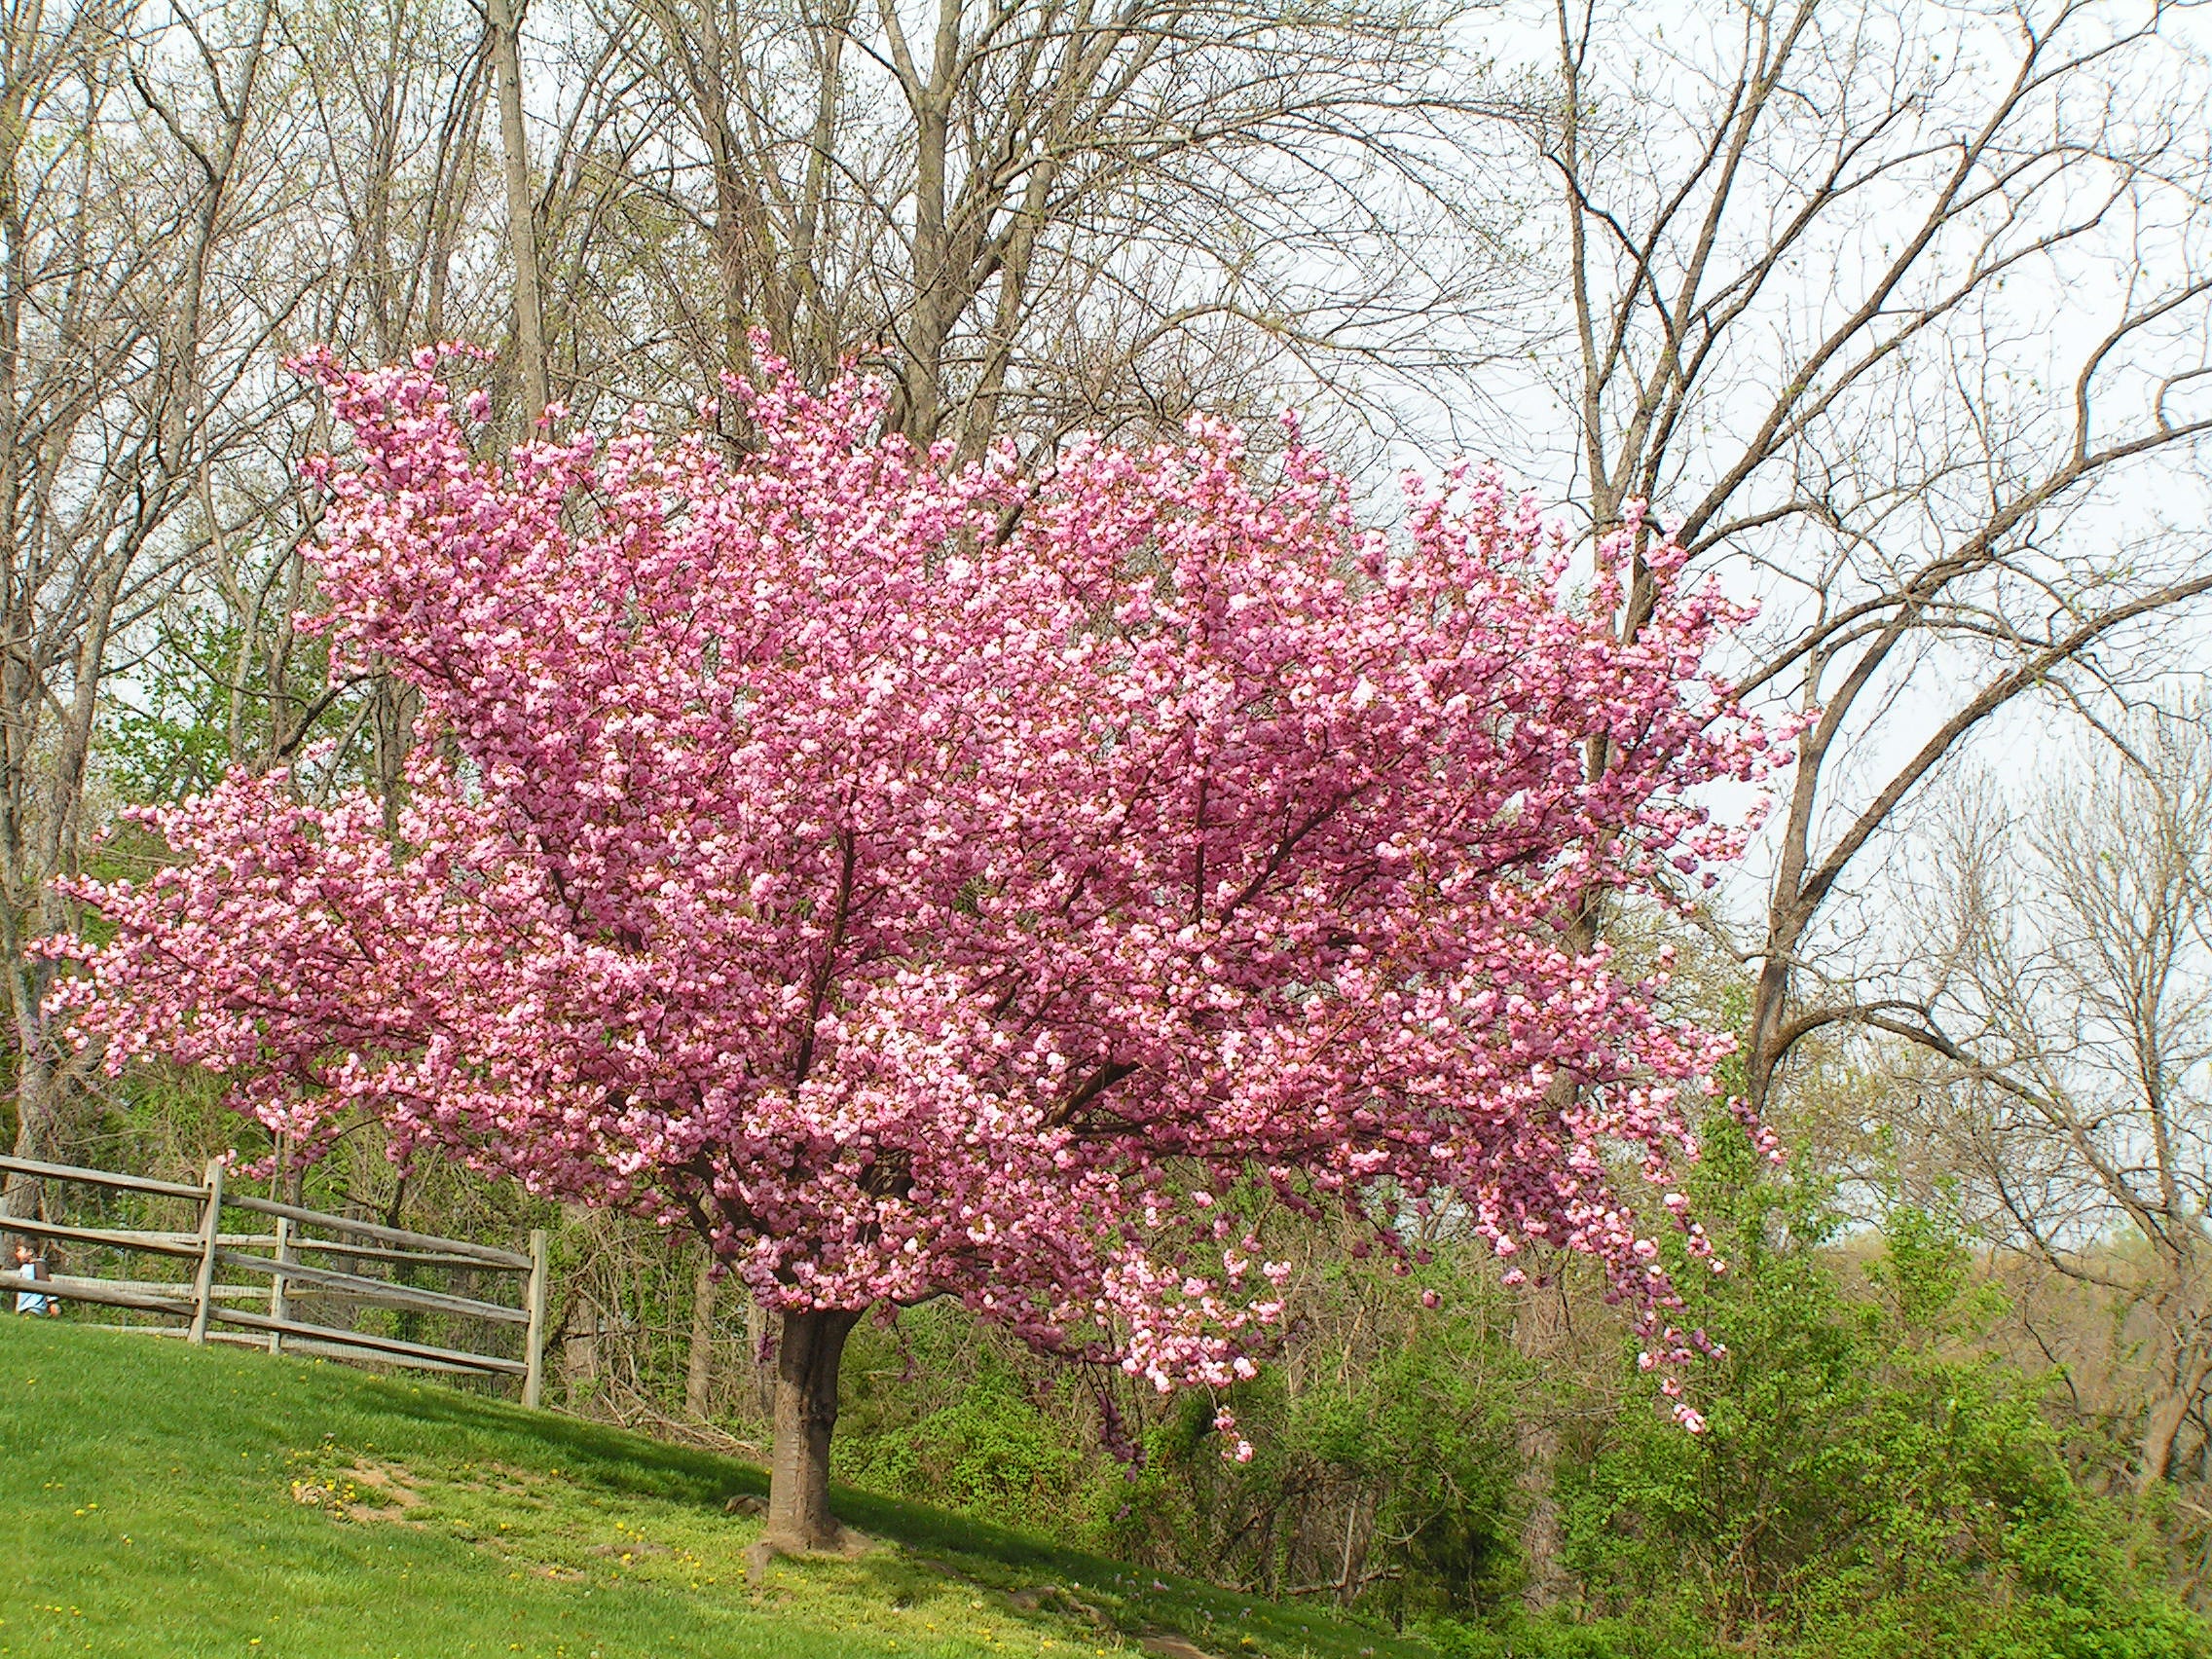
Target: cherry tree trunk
807,1356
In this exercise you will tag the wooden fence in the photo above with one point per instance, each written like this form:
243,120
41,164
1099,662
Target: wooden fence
334,1271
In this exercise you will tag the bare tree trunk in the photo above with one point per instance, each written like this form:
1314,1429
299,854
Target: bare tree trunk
522,213
807,1357
2161,1427
36,1086
1536,1442
2169,1415
699,1366
756,1391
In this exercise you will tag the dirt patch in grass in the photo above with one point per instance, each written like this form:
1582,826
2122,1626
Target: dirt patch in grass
362,1491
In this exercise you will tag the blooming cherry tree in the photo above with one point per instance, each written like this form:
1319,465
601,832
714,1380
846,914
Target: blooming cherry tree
919,881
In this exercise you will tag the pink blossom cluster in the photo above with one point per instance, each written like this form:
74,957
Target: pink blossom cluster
921,880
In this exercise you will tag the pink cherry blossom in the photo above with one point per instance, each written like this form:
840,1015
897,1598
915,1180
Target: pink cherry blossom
919,880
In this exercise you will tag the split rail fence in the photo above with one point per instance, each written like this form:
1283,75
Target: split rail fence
289,1265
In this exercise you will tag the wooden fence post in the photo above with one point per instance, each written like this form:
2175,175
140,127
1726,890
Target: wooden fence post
534,1379
280,1305
210,1236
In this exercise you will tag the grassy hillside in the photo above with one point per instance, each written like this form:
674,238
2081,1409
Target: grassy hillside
162,1501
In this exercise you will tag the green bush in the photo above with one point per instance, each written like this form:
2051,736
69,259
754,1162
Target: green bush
941,1409
1402,1433
990,1454
1874,1483
1515,1637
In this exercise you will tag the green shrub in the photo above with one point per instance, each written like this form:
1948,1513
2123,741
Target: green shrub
1874,1483
1402,1435
1517,1637
992,1453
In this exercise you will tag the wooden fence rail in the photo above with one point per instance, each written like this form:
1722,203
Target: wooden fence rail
204,1305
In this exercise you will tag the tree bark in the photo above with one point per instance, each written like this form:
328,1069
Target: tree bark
2161,1427
757,1399
2167,1412
699,1366
35,1089
807,1357
522,213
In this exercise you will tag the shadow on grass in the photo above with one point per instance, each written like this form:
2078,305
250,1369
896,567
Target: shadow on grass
988,1557
624,1461
613,1458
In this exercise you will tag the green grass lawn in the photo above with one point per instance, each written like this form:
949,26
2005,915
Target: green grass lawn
167,1501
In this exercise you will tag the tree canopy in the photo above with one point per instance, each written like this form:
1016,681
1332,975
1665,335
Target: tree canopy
921,879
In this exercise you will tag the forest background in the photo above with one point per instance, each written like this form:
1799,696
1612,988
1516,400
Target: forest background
1902,314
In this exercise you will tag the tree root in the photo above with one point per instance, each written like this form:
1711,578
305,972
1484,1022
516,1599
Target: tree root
848,1546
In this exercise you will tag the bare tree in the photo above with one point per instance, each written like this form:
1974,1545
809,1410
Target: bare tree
389,238
2076,1015
134,164
1898,311
1039,214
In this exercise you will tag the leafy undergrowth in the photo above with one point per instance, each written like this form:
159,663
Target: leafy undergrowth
162,1501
